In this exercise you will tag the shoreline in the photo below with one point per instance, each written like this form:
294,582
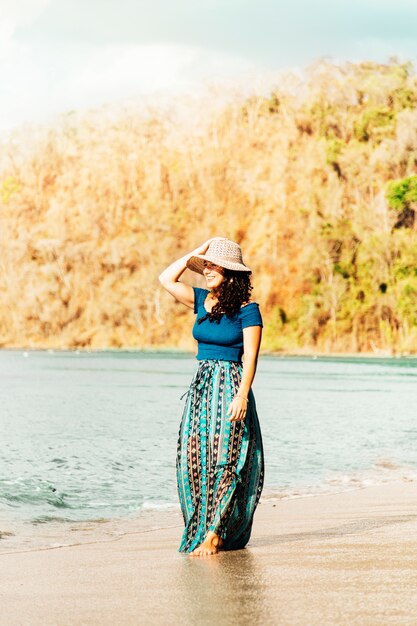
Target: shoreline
20,532
309,354
342,558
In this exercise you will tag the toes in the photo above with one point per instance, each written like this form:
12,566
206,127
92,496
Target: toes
204,551
195,552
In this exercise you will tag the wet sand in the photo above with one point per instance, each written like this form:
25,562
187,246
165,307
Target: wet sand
337,559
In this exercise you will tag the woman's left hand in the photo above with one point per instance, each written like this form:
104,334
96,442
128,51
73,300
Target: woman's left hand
238,409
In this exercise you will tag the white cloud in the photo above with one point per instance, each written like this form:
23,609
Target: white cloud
21,12
6,38
16,63
115,70
45,69
42,82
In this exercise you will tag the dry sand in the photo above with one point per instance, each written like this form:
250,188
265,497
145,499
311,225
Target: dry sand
336,559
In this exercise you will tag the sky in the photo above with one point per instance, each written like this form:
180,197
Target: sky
61,55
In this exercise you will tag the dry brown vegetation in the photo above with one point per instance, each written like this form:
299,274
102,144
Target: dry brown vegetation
95,206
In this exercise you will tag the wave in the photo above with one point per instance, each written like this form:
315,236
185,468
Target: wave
29,491
28,497
382,471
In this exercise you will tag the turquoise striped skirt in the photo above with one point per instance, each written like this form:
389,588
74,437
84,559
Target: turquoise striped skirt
220,464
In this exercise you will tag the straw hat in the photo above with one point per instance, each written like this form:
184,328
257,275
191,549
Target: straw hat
222,252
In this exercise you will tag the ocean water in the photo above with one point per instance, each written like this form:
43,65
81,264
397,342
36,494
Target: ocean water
92,435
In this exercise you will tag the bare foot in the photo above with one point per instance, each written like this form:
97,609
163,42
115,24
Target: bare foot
211,545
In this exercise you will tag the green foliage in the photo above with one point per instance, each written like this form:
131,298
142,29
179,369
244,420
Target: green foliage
273,336
273,104
342,269
334,148
401,193
8,187
374,124
402,98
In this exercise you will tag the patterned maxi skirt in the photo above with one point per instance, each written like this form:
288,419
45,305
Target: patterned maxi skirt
220,463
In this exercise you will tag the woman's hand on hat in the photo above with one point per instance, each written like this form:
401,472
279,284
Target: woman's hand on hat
238,409
204,246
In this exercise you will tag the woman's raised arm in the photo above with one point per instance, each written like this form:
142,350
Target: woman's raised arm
169,278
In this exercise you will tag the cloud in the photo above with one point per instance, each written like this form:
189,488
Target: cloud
70,54
129,69
80,76
22,12
16,57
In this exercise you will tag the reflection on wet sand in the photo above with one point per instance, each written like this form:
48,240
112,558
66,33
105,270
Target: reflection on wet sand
227,588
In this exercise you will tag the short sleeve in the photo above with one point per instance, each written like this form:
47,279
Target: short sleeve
250,315
199,297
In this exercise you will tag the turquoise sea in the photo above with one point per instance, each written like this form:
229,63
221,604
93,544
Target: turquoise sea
92,435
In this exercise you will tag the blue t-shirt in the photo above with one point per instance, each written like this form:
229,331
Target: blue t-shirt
223,340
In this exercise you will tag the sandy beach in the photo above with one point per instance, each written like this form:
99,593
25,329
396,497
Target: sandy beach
346,558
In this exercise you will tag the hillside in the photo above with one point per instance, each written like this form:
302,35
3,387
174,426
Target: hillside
317,181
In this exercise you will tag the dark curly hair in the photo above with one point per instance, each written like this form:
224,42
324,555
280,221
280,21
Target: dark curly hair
232,292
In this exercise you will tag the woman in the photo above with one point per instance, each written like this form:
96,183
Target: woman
220,463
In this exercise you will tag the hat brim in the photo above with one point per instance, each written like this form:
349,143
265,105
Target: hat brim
196,264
